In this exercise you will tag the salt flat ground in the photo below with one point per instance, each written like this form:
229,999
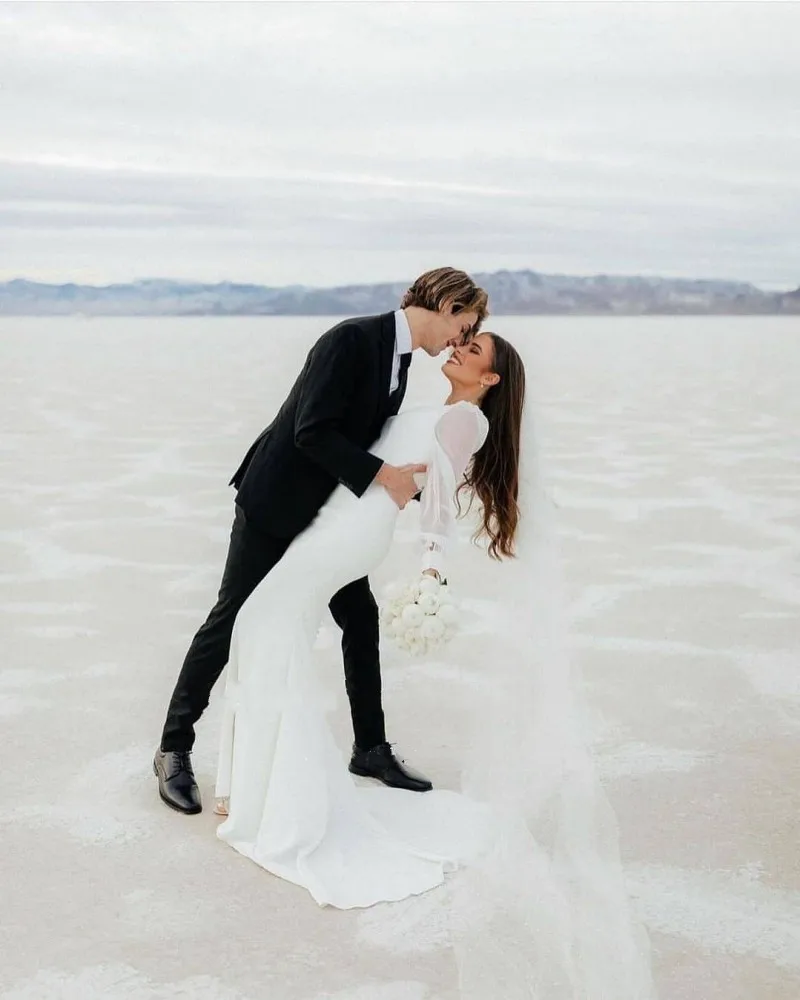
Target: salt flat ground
673,451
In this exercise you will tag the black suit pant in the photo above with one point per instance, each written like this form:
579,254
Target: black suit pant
251,555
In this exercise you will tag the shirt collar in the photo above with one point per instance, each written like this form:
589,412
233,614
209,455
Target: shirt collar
402,333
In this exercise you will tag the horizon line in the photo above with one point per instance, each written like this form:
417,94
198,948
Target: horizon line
394,281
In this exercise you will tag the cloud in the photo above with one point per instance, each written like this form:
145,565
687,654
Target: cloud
336,142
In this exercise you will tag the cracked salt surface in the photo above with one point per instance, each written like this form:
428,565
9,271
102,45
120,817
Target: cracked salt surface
674,458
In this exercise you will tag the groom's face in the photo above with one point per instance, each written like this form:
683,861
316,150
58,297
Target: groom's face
451,329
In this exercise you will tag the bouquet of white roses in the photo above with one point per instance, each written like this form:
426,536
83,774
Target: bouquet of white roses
419,616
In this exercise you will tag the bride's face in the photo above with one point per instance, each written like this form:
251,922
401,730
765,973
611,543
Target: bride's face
470,365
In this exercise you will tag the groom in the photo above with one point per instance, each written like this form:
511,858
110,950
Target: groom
353,380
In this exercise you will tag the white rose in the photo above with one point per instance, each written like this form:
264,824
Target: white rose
428,585
413,614
397,626
432,629
429,603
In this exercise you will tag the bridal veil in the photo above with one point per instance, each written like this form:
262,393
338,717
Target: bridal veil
544,915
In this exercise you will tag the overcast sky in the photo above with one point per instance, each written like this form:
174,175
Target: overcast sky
332,143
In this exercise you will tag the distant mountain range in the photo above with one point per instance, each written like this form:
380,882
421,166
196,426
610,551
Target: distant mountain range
510,293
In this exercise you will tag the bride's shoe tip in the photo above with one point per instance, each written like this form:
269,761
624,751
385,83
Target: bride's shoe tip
221,807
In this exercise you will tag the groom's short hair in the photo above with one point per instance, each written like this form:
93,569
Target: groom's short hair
444,285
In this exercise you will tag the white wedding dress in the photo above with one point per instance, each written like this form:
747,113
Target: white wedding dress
541,910
294,808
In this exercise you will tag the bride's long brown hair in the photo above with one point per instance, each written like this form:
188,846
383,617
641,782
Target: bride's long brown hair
493,474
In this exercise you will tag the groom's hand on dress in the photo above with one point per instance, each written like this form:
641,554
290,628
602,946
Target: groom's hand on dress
398,481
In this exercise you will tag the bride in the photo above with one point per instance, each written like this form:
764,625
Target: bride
540,909
282,784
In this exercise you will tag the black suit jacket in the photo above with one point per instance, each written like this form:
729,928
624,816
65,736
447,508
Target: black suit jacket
335,410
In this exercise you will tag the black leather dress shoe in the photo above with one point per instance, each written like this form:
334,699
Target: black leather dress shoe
379,762
176,784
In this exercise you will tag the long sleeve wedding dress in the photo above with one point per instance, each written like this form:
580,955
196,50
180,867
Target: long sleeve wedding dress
294,808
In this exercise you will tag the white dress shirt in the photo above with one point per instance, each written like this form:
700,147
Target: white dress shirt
402,345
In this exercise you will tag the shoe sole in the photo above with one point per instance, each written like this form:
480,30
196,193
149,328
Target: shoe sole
363,773
185,812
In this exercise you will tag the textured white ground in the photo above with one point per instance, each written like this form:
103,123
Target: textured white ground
674,449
